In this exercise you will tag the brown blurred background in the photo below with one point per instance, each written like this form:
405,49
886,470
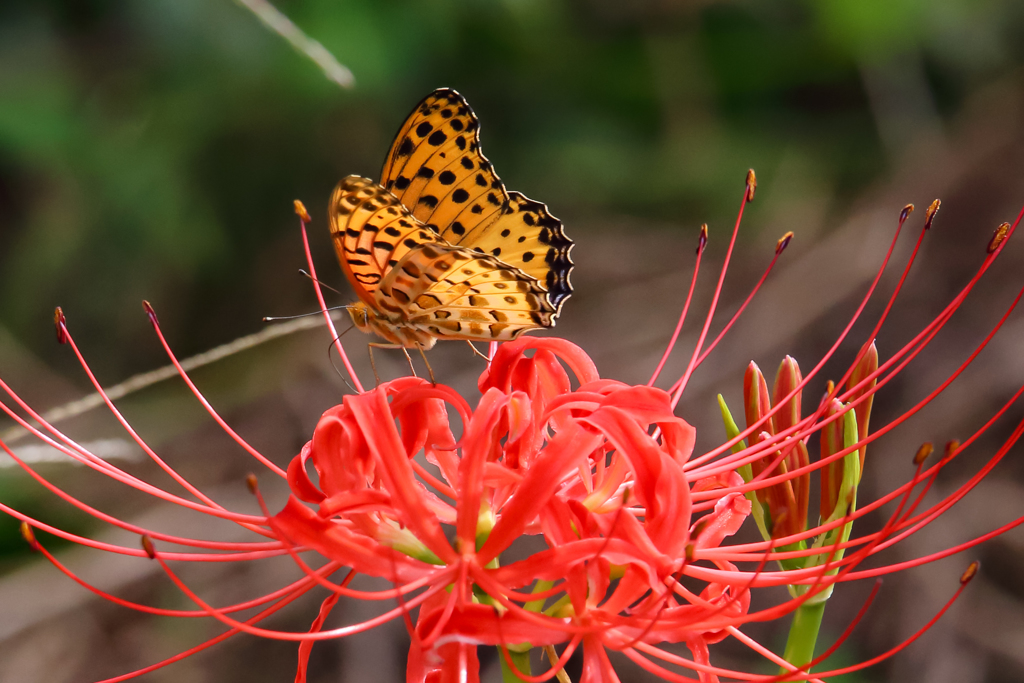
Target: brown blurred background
151,150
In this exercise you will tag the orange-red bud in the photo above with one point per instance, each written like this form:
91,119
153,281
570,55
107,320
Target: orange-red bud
866,366
787,379
756,403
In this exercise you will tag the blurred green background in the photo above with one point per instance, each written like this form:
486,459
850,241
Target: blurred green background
151,149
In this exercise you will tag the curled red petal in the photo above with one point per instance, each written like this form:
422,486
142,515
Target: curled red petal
298,479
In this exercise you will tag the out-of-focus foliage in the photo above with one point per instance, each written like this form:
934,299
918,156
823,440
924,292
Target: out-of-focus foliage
151,148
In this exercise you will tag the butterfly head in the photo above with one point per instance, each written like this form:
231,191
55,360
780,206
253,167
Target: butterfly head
360,314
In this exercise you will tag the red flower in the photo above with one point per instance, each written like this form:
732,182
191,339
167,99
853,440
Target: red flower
410,483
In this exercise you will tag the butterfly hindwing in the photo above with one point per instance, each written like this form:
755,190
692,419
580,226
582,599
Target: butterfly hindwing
526,236
456,292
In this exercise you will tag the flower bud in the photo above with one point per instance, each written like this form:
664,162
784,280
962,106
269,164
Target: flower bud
867,365
787,379
756,403
831,474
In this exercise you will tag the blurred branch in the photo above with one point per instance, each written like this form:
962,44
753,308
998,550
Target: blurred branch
146,379
284,27
107,449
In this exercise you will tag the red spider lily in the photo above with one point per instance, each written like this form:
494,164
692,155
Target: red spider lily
601,472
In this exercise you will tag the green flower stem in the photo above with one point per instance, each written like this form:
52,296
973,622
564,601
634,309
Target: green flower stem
746,471
538,605
520,659
803,634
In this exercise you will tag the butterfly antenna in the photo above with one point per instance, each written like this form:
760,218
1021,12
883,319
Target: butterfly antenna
319,282
268,318
331,358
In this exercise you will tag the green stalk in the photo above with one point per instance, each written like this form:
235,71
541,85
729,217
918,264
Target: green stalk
520,659
803,634
746,471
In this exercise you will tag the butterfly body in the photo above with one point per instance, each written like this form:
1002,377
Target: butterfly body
439,249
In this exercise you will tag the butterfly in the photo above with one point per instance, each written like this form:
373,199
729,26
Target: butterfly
439,249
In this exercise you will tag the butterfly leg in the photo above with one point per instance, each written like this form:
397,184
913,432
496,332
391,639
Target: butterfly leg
477,352
430,370
371,346
409,359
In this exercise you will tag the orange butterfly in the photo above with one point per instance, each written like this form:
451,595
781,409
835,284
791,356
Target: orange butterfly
439,249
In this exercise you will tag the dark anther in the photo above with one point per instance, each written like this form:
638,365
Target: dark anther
929,215
29,536
907,210
783,242
147,545
61,325
148,308
300,211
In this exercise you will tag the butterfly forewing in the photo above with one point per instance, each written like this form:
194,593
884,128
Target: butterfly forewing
436,169
372,231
